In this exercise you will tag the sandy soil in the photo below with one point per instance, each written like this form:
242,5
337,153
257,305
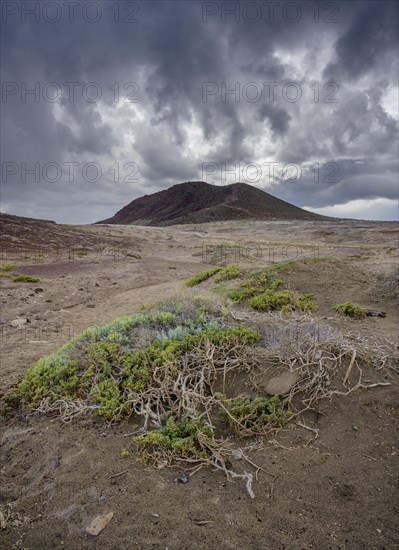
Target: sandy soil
337,492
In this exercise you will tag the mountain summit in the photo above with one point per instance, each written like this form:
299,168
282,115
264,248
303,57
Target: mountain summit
200,202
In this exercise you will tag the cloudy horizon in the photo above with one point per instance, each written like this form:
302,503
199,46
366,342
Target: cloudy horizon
103,103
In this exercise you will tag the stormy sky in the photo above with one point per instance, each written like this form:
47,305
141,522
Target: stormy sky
103,101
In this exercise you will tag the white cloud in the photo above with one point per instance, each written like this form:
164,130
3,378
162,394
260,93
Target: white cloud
376,209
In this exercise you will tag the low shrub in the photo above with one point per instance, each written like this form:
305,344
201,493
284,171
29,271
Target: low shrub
8,267
178,439
254,415
202,276
228,273
285,300
25,279
350,310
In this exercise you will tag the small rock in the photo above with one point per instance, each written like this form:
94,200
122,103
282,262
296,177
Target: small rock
96,284
281,385
92,306
37,290
102,498
237,454
181,478
19,322
98,524
3,522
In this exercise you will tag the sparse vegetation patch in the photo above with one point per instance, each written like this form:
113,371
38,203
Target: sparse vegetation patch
349,309
254,415
202,276
25,279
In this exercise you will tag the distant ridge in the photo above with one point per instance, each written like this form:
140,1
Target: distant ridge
200,202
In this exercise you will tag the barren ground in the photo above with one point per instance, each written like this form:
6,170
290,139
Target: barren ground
339,491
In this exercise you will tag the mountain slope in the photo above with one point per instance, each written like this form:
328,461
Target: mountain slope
200,202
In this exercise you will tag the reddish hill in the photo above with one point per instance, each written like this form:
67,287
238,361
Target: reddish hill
200,202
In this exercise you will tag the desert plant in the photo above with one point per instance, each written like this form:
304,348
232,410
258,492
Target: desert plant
187,439
8,267
202,276
25,279
350,309
253,415
285,300
227,273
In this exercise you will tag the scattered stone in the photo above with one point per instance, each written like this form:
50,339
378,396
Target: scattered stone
281,385
102,498
37,290
98,524
96,284
19,322
155,518
203,522
91,306
48,300
3,522
56,464
181,478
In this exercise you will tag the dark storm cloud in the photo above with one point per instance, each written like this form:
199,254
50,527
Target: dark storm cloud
278,118
170,53
341,181
368,43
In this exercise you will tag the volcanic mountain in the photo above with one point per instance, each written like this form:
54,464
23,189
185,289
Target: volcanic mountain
200,202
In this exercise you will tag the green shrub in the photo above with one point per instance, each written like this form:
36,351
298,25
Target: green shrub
25,279
8,267
202,276
271,300
108,395
239,295
252,415
350,310
260,282
306,302
179,439
286,300
229,272
100,369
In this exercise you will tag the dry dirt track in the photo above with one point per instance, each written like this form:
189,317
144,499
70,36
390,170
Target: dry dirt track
337,492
